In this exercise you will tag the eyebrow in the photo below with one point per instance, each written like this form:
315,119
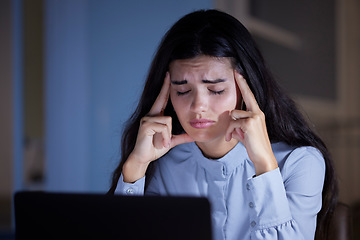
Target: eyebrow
214,81
179,82
182,82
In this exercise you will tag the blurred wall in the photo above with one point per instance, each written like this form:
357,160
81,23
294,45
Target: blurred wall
10,97
6,101
97,54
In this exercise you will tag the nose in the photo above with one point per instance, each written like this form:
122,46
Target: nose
199,103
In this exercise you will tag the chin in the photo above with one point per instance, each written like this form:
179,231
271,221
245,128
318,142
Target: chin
203,137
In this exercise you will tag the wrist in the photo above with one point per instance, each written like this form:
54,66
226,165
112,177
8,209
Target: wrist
265,166
133,170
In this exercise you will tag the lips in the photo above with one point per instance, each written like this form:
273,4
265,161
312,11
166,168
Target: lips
201,123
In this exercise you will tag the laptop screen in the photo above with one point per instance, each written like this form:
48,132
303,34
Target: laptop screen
41,215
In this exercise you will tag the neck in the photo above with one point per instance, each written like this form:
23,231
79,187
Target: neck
216,149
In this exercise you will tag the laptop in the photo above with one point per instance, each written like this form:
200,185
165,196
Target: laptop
45,215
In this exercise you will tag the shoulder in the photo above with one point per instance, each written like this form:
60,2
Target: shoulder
178,155
289,155
305,165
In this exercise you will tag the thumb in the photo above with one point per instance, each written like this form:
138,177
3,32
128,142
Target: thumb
180,139
238,134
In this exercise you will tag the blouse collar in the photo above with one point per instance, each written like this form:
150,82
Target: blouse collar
223,167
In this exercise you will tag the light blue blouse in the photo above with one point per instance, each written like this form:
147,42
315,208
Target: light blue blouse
280,204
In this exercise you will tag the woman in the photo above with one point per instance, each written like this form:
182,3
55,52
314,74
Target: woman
219,126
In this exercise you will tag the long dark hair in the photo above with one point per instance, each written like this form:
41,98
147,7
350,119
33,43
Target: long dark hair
217,34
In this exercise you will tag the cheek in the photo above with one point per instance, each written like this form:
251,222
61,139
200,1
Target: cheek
226,103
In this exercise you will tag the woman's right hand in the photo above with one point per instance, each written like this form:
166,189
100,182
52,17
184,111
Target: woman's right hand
154,137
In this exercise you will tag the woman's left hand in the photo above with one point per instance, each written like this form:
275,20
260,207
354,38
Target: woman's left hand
249,127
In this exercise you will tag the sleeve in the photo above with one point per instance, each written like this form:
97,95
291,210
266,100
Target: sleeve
156,186
136,188
284,204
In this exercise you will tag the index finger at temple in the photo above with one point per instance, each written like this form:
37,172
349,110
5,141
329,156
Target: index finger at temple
162,99
246,93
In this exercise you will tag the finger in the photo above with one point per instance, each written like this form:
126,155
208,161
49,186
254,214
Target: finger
161,140
230,130
229,134
151,128
246,93
237,126
236,133
239,134
180,139
158,133
156,126
157,119
162,99
238,114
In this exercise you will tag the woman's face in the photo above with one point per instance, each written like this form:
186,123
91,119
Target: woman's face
203,92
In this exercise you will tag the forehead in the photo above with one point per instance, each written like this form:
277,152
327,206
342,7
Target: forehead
200,64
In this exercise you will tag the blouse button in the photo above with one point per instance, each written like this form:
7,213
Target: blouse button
223,171
251,204
248,186
130,191
253,224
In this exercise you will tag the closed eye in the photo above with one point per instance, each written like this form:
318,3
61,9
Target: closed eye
217,92
182,93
